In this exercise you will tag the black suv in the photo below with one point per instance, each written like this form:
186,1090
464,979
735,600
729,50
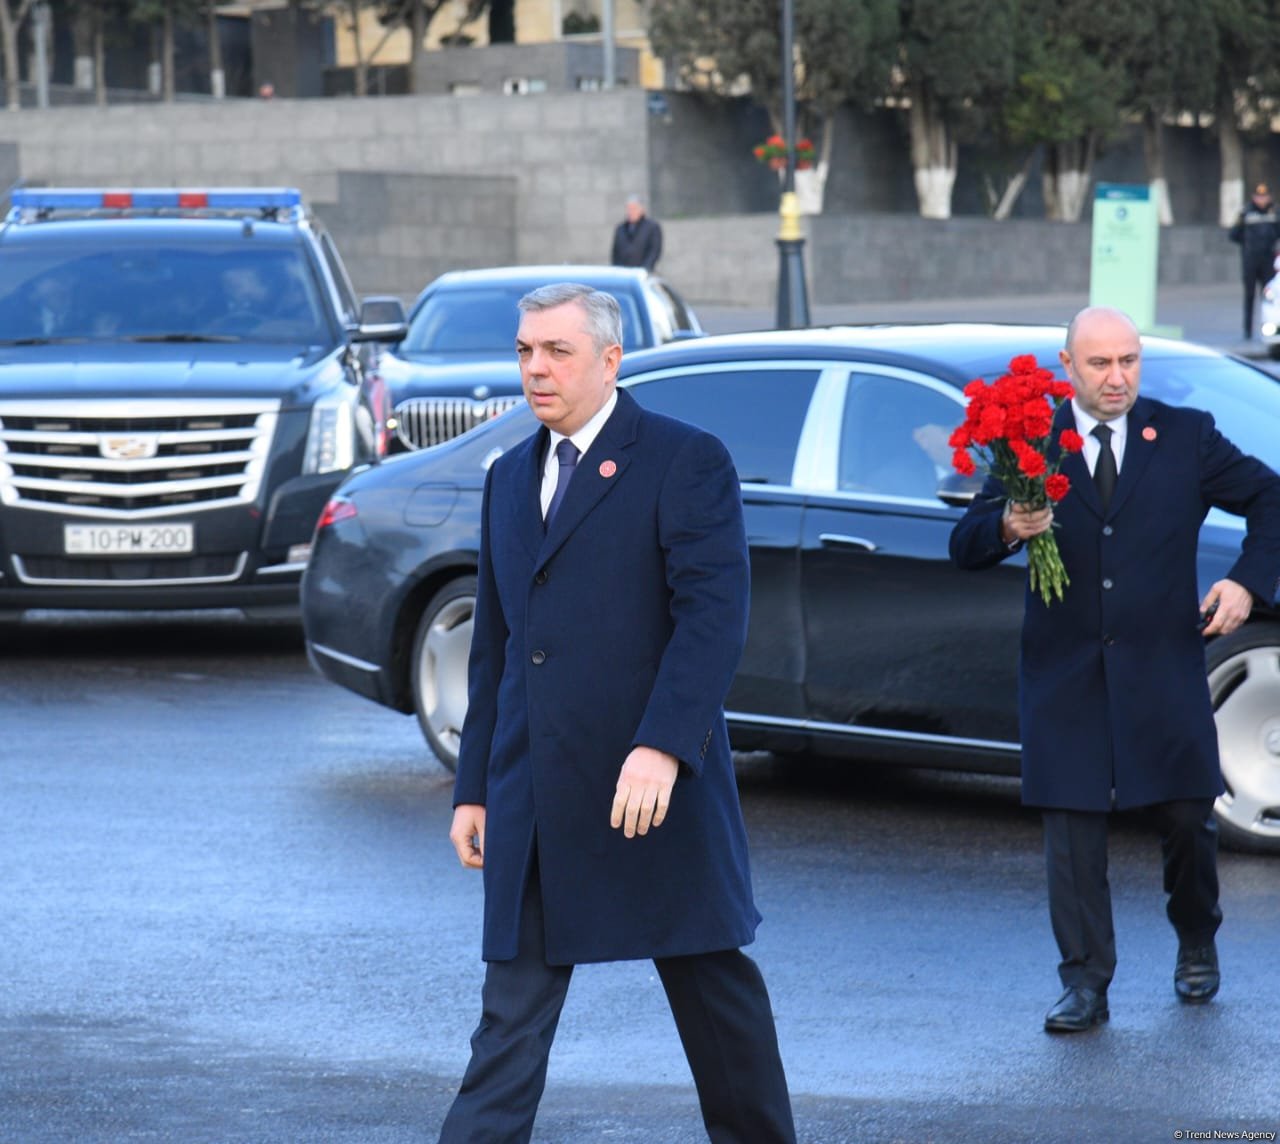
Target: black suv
184,379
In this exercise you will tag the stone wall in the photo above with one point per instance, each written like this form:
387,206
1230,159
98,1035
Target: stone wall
415,185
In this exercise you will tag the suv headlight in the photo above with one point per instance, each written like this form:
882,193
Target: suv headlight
331,440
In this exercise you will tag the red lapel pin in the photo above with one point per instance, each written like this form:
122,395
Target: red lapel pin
1148,434
607,469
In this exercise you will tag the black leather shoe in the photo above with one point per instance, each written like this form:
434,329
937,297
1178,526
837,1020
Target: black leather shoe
1196,977
1077,1009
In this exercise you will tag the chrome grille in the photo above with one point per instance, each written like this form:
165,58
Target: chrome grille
133,459
425,421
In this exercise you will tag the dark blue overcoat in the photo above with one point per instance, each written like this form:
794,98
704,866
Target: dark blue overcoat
1113,690
620,626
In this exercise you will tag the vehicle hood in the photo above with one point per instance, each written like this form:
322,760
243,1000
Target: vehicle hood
144,370
450,375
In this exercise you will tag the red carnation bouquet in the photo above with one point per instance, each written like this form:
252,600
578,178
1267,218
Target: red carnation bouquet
1007,427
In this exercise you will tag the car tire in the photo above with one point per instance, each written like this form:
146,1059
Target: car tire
1244,683
438,669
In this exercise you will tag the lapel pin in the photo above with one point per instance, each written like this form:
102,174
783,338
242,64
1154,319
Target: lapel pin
1148,434
607,469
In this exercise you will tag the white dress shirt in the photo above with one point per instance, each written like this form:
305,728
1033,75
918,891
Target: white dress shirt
1092,446
582,440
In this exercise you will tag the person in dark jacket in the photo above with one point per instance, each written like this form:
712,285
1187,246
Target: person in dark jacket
1256,230
637,241
595,786
1114,701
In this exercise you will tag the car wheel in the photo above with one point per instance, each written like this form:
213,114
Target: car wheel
441,647
1244,682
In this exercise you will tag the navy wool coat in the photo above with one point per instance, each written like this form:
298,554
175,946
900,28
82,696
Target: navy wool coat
1113,691
621,625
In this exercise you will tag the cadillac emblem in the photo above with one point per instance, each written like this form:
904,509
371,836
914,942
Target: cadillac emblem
128,448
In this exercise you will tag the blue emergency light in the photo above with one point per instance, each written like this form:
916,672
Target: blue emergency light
156,198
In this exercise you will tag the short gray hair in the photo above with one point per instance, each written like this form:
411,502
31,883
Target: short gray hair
604,316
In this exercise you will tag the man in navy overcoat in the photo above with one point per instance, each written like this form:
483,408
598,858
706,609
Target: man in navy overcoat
1114,701
595,786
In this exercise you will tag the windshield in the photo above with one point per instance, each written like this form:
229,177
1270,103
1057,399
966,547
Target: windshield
214,292
484,320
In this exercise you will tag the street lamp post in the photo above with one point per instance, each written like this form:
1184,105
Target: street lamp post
793,301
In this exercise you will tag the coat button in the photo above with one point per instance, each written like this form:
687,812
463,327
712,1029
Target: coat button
539,658
1107,584
1107,530
540,577
1109,641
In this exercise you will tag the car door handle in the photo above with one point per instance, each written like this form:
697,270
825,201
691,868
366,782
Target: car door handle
836,540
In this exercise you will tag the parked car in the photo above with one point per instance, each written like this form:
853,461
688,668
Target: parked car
183,382
455,368
864,640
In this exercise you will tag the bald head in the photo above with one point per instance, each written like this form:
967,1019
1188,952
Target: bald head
1103,358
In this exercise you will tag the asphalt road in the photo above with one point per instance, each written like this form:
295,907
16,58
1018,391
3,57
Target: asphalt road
231,914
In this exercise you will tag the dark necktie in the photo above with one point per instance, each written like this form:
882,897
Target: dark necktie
1104,472
567,455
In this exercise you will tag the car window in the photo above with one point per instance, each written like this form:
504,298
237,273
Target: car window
484,320
346,294
1244,402
758,414
680,316
893,440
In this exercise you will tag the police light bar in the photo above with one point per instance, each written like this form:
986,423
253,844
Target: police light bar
156,198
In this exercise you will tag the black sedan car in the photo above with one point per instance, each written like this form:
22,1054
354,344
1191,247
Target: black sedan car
864,640
456,367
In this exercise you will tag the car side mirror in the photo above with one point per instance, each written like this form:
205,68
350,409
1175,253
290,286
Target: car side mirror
958,490
382,319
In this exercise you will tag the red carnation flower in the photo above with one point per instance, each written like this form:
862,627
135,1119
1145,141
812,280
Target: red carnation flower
1056,486
963,463
1070,441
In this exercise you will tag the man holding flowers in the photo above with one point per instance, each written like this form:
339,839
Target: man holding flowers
1114,703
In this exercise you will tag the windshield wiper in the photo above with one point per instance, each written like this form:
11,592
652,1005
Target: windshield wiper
41,341
181,338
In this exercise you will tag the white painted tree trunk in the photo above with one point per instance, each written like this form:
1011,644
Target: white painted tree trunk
933,158
82,73
1073,190
1231,156
1160,196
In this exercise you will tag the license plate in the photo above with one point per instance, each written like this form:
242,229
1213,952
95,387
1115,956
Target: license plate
128,539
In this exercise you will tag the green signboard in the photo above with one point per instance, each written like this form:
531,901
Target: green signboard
1126,242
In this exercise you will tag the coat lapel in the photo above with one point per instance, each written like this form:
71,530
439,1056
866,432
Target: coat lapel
526,492
1140,443
599,470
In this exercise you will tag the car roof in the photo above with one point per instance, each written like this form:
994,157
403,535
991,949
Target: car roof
537,275
959,350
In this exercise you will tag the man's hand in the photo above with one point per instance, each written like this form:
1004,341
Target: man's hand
467,835
1022,522
1234,601
643,791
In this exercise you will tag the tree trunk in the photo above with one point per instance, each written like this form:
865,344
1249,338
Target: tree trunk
933,157
11,21
417,33
1231,162
217,76
82,27
166,53
1153,154
1004,208
1068,169
362,69
99,59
